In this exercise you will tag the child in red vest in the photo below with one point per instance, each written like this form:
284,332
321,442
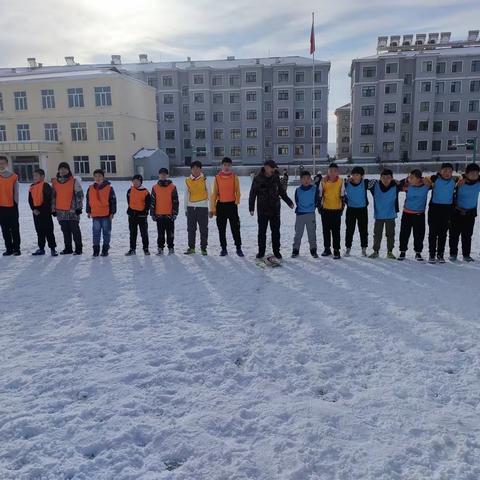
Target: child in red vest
164,210
101,207
40,200
138,199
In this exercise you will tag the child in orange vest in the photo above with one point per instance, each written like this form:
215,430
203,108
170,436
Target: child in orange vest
40,200
332,194
9,209
224,204
164,210
101,207
138,200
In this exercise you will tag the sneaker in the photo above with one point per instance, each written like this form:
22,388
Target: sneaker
17,253
66,251
326,253
278,255
105,250
418,257
295,253
146,252
313,252
53,252
336,254
374,254
432,259
240,252
223,252
259,256
78,252
160,251
130,253
38,252
402,256
171,251
391,256
453,258
468,258
364,252
347,252
203,251
8,253
189,251
440,259
96,251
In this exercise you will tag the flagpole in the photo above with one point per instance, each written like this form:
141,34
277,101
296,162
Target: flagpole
313,96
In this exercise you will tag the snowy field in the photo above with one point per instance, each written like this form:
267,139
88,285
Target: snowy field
209,368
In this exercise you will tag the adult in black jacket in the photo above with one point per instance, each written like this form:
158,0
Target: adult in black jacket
267,190
40,197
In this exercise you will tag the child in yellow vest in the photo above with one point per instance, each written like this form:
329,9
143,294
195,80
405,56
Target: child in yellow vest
196,208
332,194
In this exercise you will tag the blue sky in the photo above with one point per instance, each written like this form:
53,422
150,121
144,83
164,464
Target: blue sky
92,30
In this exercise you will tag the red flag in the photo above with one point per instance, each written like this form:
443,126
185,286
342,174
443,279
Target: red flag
312,37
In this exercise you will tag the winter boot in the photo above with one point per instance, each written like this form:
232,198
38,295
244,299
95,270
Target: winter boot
146,252
105,250
391,256
336,254
326,253
223,252
402,256
160,251
295,253
38,252
171,251
96,250
313,252
240,252
418,257
66,251
17,253
203,251
7,253
432,259
130,253
374,254
53,252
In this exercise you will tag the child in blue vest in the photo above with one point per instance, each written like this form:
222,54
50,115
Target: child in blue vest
356,188
385,201
440,211
307,201
465,212
413,216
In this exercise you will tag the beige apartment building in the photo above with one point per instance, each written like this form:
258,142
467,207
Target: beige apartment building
91,118
343,131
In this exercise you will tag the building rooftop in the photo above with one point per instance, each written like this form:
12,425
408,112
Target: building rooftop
347,106
39,74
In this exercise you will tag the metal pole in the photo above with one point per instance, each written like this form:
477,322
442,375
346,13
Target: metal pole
313,99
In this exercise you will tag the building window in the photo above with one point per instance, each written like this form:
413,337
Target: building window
317,95
436,145
475,86
217,98
1,102
408,79
235,133
167,81
438,107
441,67
78,131
299,132
457,67
251,96
437,126
20,100
251,115
427,66
184,91
234,98
48,99
455,106
407,99
168,99
267,88
218,151
299,150
282,95
235,116
282,150
235,152
366,147
217,80
3,133
199,134
472,125
390,108
282,76
299,114
317,113
185,108
453,126
366,129
474,105
390,88
234,80
252,150
368,110
345,139
23,132
75,97
424,106
317,77
451,145
439,87
108,163
475,66
388,127
369,72
300,77
368,91
282,113
198,97
201,151
168,117
218,117
300,95
251,77
171,152
283,132
406,118
317,133
51,132
251,133
218,134
391,68
455,87
426,87
388,147
187,144
198,79
422,145
268,142
267,106
267,124
152,82
81,164
103,96
169,134
423,126
186,127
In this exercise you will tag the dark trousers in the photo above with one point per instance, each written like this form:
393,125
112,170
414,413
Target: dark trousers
228,212
134,224
10,228
165,229
263,221
389,225
44,228
356,216
415,222
331,221
197,216
439,220
71,230
462,226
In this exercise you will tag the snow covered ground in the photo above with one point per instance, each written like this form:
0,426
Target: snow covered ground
193,368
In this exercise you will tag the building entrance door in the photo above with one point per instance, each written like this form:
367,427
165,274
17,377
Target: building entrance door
24,167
